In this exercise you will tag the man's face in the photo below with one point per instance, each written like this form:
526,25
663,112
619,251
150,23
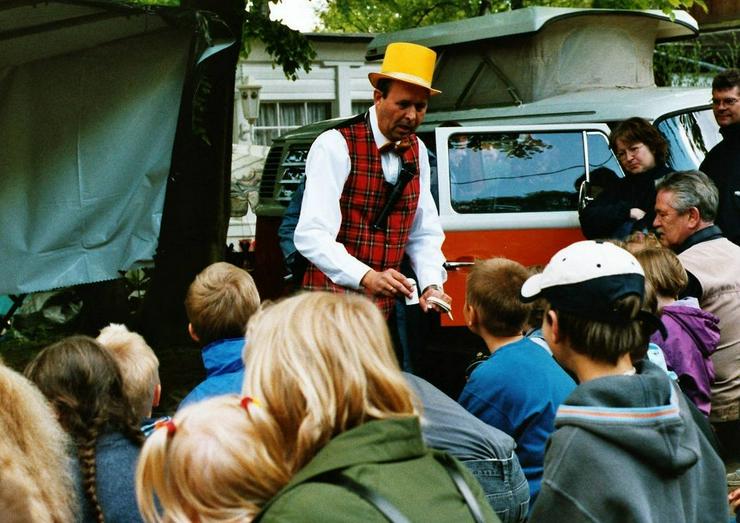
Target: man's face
673,228
726,106
402,111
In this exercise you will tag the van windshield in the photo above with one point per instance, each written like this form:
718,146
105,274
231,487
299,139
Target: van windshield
690,136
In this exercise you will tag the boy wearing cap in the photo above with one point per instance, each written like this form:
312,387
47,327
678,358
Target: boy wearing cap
518,389
625,446
352,170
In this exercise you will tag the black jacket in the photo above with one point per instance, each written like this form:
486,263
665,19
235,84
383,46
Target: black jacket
722,165
611,209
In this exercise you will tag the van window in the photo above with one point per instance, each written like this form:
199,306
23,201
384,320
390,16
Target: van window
502,172
690,136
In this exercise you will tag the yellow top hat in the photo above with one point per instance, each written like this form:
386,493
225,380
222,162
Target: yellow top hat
410,63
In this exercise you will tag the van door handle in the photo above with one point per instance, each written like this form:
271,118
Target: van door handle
453,266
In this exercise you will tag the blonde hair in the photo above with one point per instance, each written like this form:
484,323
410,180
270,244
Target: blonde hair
33,455
323,364
137,362
663,270
221,463
638,241
492,289
220,301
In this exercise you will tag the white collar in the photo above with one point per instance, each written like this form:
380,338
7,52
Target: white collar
380,139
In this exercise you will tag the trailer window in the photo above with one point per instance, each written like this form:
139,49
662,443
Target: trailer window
495,172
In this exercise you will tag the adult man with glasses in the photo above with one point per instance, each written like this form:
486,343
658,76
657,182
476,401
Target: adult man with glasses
722,163
685,209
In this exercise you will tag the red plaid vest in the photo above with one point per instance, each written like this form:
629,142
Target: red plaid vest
365,192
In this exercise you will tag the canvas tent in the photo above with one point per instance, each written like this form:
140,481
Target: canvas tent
93,97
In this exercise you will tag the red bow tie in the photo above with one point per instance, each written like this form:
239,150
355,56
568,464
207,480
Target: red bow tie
398,148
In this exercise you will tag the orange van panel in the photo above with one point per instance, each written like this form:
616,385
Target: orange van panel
527,246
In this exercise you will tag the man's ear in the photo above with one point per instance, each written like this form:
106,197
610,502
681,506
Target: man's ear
694,218
377,96
193,335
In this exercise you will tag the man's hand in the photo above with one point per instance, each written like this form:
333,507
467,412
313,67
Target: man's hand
637,214
390,282
430,291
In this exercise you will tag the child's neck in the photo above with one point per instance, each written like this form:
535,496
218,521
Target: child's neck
664,300
494,343
587,369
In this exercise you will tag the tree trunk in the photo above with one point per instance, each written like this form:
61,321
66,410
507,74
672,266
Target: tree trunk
196,209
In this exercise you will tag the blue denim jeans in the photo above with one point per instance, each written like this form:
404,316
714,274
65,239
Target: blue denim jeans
505,486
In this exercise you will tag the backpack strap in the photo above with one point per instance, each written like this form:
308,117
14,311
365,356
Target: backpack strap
462,486
380,502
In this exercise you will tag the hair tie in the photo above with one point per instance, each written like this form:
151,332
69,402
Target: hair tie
247,400
169,424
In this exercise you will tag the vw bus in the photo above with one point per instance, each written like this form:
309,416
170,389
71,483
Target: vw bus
528,100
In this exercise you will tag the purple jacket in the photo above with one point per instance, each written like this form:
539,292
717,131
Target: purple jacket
693,335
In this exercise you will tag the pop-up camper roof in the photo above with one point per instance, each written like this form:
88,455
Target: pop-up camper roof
529,54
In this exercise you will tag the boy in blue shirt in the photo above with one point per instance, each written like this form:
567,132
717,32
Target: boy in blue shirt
219,303
519,388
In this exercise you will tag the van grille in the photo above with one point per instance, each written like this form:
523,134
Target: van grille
269,173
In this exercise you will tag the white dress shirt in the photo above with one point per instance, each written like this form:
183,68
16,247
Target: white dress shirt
327,169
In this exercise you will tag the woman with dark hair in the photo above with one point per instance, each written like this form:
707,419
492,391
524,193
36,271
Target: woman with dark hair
627,205
83,384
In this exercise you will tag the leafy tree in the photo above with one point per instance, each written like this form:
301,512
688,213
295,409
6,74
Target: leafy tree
393,15
288,48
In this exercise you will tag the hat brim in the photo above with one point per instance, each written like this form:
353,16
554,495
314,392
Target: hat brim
400,77
532,288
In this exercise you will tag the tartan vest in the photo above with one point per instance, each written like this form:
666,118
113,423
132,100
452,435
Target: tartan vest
364,195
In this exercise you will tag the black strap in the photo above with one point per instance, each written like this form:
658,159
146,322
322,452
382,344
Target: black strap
462,487
385,507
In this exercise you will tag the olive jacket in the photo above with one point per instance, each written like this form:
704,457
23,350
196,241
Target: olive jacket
390,458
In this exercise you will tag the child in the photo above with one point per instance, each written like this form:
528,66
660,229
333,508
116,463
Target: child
626,447
34,480
215,461
139,368
518,389
83,384
693,334
219,303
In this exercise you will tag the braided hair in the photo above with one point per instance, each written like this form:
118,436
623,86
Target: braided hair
83,384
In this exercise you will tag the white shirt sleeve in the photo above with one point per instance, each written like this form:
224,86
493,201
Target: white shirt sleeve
327,169
424,246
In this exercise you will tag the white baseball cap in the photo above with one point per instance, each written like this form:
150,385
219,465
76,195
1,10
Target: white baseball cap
586,278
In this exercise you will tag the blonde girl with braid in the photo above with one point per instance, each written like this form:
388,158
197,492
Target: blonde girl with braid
83,384
34,478
217,460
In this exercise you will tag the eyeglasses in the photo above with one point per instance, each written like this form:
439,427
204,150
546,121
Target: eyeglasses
729,102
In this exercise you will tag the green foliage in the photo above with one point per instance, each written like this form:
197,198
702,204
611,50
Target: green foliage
696,62
288,48
393,15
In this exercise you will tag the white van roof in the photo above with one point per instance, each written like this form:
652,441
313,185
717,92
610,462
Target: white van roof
598,105
534,53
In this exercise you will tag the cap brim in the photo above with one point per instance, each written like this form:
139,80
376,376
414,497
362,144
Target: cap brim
374,77
532,288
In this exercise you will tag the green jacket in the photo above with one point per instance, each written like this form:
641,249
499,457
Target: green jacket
390,458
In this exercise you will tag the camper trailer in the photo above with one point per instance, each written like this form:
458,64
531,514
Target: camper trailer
528,100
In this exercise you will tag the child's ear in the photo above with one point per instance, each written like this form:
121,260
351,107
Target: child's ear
471,317
552,320
192,333
157,395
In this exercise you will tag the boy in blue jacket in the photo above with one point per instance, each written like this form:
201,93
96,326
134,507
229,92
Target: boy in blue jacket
219,303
